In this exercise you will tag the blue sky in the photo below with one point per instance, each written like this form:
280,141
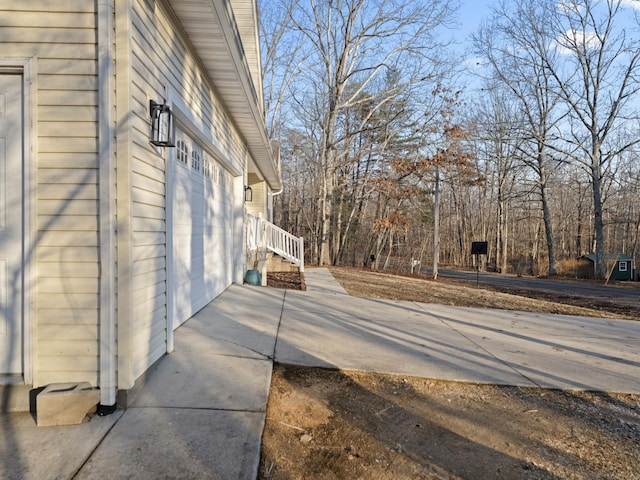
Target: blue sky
471,14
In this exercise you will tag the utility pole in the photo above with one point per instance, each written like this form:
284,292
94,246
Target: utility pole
436,224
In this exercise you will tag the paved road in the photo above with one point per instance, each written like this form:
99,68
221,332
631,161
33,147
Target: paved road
628,296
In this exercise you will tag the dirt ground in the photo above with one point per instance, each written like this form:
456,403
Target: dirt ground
329,424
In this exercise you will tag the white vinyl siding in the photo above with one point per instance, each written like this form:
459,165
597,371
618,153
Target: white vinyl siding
258,204
62,35
161,58
155,62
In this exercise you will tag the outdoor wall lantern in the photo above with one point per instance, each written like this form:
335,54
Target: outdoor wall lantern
248,194
163,131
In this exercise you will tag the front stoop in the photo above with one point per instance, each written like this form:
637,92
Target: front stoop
276,263
65,403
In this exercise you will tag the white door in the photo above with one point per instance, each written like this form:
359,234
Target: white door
201,229
11,224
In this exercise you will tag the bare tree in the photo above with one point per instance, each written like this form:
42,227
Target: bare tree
598,79
279,53
347,46
518,50
501,138
347,85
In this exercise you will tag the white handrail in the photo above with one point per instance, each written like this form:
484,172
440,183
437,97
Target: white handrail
262,233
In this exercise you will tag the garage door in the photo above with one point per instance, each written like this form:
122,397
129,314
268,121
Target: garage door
202,234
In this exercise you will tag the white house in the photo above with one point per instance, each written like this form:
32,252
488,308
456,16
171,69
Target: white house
108,242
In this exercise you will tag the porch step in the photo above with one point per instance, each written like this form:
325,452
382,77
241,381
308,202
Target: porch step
276,263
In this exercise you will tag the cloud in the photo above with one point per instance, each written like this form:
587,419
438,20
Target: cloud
577,6
571,6
564,44
475,63
635,4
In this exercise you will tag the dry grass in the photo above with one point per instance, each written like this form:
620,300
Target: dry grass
370,284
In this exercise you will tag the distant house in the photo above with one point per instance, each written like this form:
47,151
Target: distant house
619,266
107,241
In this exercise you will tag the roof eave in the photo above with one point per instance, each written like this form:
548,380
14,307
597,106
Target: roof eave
229,72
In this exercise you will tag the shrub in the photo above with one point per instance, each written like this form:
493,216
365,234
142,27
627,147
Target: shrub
575,267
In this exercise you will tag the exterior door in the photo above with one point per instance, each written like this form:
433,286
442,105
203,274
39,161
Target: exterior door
11,223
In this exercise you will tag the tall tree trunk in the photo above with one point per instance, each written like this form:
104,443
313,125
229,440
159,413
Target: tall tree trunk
388,257
596,183
328,170
501,233
579,224
548,224
436,225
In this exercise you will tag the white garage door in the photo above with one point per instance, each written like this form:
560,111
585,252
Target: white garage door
202,222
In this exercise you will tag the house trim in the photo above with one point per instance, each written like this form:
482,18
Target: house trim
187,121
238,59
124,256
106,166
28,68
230,73
238,208
169,188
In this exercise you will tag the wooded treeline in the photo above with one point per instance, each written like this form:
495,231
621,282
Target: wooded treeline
391,152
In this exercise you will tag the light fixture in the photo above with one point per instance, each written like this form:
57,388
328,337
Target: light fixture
163,131
248,194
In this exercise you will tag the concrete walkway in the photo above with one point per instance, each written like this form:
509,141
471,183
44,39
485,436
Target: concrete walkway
202,412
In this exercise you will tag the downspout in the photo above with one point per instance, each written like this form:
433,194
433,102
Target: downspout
123,143
106,160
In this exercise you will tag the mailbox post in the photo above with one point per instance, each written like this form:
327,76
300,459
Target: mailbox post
477,249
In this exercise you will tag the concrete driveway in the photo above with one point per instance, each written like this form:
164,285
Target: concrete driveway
325,328
201,412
